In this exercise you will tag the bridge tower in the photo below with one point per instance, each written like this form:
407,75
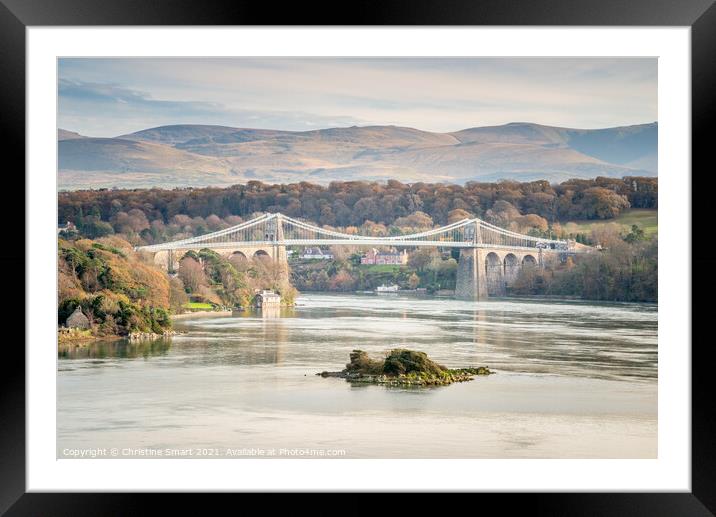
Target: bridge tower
274,234
170,261
471,275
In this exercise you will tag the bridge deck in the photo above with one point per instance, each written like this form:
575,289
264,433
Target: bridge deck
341,242
281,230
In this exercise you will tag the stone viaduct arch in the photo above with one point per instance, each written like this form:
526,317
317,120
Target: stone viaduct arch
529,261
512,268
261,255
169,259
482,272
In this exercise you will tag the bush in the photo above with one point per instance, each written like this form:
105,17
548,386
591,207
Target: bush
398,362
401,361
361,363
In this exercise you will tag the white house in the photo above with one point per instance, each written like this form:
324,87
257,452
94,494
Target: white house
68,228
316,253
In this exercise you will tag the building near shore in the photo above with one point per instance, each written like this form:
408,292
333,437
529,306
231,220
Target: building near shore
374,257
267,298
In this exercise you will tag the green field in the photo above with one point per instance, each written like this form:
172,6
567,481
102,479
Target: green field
198,305
645,218
381,268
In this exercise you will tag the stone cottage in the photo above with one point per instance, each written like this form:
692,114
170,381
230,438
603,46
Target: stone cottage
77,320
267,298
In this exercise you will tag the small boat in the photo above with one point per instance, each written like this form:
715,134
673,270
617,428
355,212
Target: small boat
387,289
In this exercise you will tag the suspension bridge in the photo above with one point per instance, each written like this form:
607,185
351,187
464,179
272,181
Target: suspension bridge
490,257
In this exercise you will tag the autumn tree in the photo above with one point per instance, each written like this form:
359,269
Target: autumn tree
342,281
421,258
599,203
606,235
415,222
177,294
525,223
413,281
458,214
191,274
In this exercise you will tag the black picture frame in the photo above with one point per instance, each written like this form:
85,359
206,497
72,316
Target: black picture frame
700,15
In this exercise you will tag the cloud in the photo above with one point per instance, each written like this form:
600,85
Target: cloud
437,94
110,95
88,107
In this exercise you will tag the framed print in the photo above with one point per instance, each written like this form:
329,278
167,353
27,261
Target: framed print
275,258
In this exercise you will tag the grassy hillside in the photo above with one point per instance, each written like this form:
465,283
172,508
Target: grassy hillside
116,290
646,219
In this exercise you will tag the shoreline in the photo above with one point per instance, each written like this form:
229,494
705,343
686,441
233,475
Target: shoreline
511,297
87,340
200,314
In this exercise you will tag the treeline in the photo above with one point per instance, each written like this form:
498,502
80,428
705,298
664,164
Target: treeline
625,270
149,215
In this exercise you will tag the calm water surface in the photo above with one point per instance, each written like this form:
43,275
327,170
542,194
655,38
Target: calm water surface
575,380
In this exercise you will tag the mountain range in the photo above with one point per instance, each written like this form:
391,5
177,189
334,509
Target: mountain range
207,155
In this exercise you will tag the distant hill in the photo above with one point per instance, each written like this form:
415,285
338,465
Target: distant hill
618,145
178,134
205,155
63,134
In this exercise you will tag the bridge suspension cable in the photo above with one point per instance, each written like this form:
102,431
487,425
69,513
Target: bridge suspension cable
279,229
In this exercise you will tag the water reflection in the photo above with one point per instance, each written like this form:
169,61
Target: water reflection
590,340
249,337
479,330
122,348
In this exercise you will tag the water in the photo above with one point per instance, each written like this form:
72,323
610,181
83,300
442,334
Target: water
574,380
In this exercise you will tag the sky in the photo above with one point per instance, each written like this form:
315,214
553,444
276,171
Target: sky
107,97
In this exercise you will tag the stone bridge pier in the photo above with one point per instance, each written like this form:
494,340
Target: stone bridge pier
483,272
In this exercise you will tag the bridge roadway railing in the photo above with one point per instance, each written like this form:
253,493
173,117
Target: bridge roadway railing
339,242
